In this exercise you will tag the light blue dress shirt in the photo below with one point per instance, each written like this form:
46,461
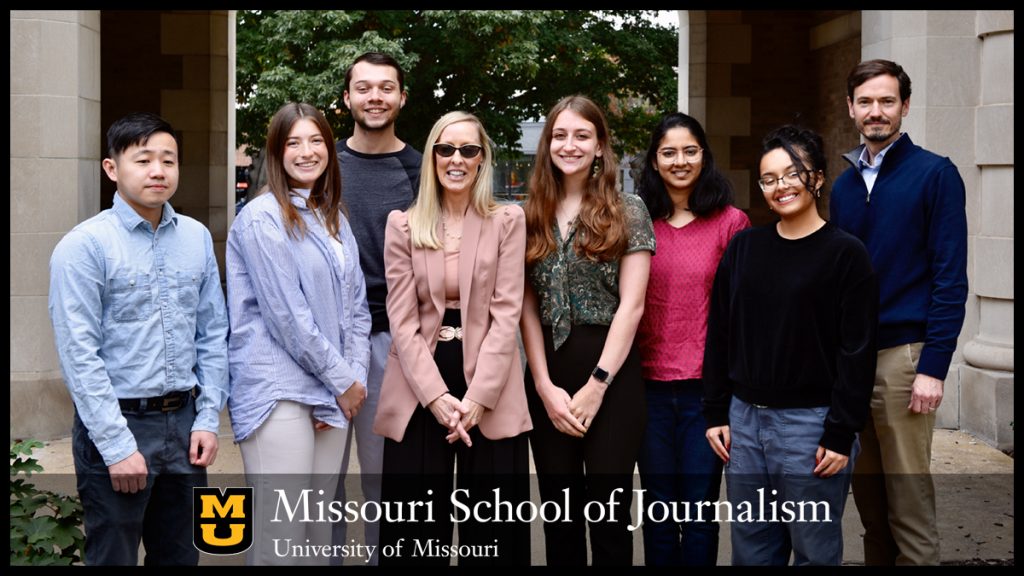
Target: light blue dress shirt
300,323
869,171
138,313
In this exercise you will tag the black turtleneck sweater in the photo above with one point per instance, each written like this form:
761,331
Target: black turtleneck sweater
793,325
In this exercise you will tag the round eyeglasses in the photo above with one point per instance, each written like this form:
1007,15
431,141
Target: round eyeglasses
769,183
691,154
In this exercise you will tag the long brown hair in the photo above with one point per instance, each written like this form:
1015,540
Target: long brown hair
601,227
325,197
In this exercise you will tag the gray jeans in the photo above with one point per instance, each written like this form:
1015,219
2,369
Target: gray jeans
370,448
160,516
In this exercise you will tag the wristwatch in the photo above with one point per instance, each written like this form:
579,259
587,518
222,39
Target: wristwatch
601,375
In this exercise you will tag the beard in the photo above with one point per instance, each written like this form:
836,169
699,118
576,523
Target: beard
880,132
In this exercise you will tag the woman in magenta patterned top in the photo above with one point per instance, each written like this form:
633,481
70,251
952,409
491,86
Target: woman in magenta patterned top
690,203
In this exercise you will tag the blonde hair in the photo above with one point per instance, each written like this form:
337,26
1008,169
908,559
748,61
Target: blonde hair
425,212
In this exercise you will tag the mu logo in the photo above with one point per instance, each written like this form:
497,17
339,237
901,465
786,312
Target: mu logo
222,522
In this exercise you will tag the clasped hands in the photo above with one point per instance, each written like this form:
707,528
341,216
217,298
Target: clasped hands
458,416
574,415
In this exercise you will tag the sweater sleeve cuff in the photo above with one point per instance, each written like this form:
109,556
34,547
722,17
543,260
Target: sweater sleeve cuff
838,441
934,364
715,416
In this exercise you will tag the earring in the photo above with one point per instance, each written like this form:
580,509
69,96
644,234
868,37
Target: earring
817,193
595,169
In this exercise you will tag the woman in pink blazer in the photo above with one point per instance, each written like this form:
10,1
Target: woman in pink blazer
453,385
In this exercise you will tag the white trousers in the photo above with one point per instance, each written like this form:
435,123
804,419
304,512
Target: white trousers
285,459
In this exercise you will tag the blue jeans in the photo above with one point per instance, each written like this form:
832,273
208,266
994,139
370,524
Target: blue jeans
770,470
160,515
678,465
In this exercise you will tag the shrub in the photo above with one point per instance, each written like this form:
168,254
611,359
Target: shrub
45,526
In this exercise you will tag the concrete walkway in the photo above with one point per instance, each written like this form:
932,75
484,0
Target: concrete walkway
974,483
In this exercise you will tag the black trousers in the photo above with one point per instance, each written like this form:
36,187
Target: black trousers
421,468
596,468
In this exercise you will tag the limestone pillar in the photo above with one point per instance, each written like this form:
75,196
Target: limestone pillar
54,184
987,376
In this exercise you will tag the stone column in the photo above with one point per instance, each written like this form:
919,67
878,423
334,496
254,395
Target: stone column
683,98
987,377
54,184
229,104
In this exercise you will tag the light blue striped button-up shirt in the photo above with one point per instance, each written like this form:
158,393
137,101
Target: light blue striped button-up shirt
868,170
300,324
138,313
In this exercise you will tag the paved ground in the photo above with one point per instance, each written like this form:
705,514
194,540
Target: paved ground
974,483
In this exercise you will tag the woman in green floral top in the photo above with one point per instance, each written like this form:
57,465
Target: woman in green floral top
588,254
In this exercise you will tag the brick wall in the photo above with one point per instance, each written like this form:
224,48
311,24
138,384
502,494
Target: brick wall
788,77
831,118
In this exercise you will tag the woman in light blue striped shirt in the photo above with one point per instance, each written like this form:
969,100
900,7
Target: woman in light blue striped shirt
299,343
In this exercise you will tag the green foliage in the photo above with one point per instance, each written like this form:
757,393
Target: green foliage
505,66
45,526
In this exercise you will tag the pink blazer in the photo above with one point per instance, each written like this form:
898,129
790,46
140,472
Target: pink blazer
491,277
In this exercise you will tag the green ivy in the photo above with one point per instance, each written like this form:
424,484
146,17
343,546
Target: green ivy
45,526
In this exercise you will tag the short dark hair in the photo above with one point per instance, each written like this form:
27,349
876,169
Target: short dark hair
135,128
869,69
378,59
804,146
711,192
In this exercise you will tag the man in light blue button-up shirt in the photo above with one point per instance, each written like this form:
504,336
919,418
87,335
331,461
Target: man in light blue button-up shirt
141,331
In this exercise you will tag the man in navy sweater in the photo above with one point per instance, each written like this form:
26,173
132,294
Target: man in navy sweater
908,207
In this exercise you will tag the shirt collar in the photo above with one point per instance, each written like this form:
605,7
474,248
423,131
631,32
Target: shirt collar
299,197
131,219
863,160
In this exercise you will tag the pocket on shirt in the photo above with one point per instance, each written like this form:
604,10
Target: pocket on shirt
188,290
131,298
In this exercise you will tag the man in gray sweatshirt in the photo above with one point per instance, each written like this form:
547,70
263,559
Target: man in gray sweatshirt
379,173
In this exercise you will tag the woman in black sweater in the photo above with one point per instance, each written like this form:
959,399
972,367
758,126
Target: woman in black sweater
789,364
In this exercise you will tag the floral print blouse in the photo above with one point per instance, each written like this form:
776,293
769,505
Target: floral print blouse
574,290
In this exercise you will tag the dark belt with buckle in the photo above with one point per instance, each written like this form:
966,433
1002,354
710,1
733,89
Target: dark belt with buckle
167,403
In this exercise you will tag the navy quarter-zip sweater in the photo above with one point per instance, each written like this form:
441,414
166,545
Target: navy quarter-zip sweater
914,225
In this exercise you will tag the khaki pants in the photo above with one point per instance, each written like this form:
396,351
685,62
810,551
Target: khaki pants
892,484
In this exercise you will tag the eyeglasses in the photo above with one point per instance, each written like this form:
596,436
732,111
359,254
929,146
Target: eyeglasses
467,150
768,183
691,154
